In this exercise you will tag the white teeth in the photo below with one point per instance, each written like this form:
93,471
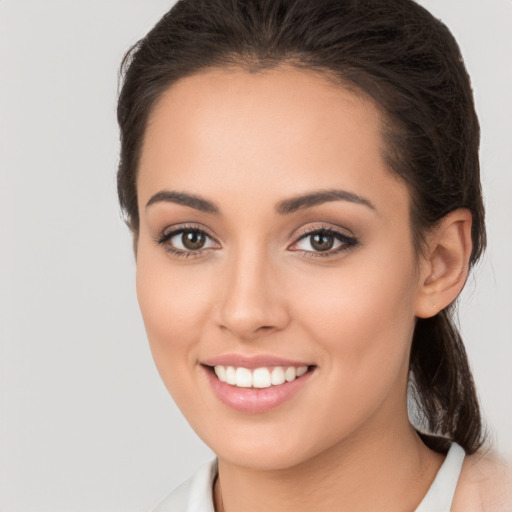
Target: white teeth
277,376
301,371
290,373
220,371
260,377
231,375
243,378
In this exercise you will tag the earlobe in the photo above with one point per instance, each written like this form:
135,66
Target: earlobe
444,269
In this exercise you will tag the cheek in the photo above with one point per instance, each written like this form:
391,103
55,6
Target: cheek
361,315
174,304
362,322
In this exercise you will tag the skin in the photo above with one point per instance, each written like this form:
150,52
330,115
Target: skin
245,142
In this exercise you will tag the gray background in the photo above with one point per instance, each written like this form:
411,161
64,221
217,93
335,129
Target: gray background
85,423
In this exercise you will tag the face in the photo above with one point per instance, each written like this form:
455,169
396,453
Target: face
275,246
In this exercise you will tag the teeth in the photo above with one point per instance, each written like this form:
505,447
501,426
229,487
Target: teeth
301,371
243,378
290,373
260,377
220,371
230,375
277,376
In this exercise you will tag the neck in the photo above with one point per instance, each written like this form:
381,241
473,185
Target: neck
367,473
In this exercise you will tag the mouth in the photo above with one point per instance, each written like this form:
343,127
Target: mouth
257,390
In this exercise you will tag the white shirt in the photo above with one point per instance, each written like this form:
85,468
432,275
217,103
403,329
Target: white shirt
195,495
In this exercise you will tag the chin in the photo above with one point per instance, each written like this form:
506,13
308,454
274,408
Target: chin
265,445
263,459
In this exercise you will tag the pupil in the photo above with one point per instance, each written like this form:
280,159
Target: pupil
193,239
322,242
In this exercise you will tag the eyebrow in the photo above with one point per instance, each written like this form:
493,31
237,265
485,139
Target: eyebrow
284,207
191,200
319,197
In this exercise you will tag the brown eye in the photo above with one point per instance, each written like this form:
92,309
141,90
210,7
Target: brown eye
187,242
322,241
193,240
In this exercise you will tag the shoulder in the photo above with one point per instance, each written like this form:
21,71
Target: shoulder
485,484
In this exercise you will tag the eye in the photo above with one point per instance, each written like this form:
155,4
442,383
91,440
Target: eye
187,241
323,242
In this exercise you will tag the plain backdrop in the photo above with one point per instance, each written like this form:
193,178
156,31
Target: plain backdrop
85,423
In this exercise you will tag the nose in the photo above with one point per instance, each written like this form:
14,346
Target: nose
252,301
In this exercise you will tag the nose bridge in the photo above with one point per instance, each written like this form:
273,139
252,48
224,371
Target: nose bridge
252,304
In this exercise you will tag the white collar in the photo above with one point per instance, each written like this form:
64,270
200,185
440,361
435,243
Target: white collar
196,494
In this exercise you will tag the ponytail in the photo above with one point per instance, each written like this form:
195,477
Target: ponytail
443,387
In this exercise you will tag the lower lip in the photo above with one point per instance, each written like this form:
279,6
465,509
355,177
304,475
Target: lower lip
254,400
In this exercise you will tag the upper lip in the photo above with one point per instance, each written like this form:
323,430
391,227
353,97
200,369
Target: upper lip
252,361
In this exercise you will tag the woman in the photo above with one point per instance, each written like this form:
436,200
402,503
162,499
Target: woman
302,183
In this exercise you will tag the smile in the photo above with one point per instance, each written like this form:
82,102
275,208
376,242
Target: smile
256,385
258,378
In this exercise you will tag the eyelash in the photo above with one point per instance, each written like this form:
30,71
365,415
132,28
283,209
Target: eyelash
347,242
164,238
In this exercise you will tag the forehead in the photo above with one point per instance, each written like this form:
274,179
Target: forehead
283,130
285,101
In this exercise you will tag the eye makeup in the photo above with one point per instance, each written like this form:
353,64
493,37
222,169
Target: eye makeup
324,240
191,241
194,241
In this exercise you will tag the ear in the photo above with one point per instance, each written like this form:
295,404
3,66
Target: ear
444,267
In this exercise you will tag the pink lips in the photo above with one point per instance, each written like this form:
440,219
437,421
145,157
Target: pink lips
252,400
251,362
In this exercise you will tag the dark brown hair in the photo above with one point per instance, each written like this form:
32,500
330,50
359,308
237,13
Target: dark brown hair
391,50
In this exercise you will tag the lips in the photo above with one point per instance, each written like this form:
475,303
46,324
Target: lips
253,361
256,384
